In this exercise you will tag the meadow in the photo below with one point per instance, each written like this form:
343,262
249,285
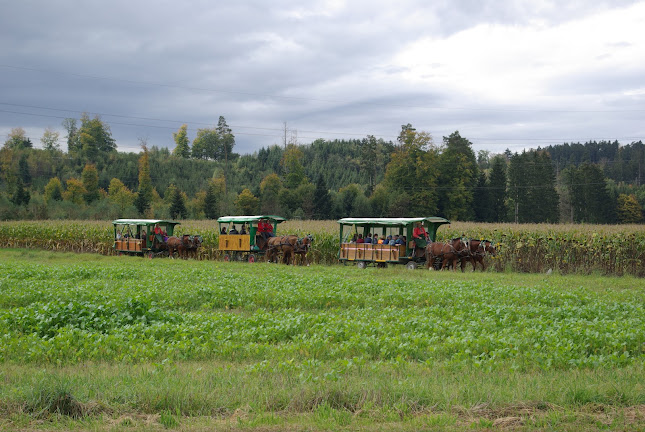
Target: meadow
527,248
96,342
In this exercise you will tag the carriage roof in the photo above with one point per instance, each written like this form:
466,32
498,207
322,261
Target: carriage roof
241,219
144,222
392,221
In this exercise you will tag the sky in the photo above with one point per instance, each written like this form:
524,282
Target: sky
506,74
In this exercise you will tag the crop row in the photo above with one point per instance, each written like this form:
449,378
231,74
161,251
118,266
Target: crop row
110,311
610,250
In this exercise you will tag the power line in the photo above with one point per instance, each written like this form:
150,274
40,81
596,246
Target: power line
279,132
336,101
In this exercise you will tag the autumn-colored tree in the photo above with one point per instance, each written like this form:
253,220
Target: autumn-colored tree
90,179
270,188
247,203
144,195
628,209
74,191
181,139
53,190
119,194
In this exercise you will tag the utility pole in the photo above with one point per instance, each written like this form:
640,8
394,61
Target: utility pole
285,134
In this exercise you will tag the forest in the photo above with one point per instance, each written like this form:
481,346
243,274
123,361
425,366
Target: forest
592,182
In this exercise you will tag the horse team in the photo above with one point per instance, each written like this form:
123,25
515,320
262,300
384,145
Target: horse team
458,251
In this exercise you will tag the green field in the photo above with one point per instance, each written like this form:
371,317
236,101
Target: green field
104,343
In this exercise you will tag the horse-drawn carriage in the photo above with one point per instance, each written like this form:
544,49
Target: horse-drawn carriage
405,249
243,238
152,238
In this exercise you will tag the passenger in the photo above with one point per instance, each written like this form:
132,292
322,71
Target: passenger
223,230
354,238
388,240
398,240
243,230
375,239
233,230
368,239
360,239
265,229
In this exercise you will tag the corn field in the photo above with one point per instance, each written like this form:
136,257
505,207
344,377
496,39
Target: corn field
582,249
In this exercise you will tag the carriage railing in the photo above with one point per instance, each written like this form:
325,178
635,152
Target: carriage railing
371,252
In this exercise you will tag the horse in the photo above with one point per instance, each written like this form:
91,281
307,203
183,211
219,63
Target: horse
447,253
302,248
179,245
477,250
193,246
285,245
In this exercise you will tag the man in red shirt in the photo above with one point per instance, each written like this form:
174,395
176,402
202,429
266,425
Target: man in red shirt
420,235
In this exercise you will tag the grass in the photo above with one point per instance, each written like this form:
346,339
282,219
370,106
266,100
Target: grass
280,383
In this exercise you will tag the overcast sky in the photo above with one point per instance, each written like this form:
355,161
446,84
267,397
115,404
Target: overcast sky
506,74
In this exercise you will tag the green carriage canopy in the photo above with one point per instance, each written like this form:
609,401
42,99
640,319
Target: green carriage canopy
144,222
391,222
243,219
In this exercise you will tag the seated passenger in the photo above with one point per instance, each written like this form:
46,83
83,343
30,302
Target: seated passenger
388,240
265,229
375,239
368,238
354,238
233,230
243,230
223,230
360,239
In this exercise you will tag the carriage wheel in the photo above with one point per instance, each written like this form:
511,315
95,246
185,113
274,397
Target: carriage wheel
361,265
411,265
227,257
251,258
151,255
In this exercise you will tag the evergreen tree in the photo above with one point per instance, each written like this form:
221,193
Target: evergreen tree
144,196
457,178
177,204
322,200
23,170
481,199
90,179
181,139
497,191
21,196
590,198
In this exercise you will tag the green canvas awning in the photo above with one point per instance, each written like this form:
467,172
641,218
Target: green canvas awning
391,222
243,219
143,222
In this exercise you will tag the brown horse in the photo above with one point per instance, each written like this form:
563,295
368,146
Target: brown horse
302,248
192,247
180,245
283,245
446,253
477,250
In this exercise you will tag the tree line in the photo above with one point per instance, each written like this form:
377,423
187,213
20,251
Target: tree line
595,182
